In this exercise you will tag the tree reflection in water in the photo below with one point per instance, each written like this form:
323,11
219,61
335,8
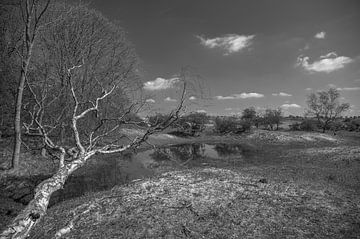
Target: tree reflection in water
180,153
225,150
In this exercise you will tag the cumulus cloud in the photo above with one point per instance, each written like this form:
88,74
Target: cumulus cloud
288,106
150,100
308,88
320,35
169,99
281,94
160,84
230,43
220,97
327,63
250,95
201,111
240,96
192,98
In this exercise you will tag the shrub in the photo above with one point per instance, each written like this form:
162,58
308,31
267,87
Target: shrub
272,117
352,125
225,124
191,125
249,114
231,125
295,126
308,125
245,125
305,125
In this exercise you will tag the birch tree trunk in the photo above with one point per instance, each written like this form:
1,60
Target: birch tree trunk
36,209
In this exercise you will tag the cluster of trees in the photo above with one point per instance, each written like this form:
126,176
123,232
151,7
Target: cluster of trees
69,78
191,124
311,124
324,112
270,119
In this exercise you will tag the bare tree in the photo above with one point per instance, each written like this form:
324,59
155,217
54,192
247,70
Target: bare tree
272,117
83,80
31,11
325,107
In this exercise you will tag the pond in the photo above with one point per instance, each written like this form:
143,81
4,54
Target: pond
106,172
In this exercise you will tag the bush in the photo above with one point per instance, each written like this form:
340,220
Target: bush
295,126
225,125
308,125
272,117
352,125
245,125
305,125
191,125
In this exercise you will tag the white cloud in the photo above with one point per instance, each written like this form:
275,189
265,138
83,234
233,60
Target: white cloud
332,85
320,35
150,100
160,84
308,89
192,98
227,109
349,88
230,43
240,96
287,106
281,94
249,95
220,97
169,99
327,63
201,111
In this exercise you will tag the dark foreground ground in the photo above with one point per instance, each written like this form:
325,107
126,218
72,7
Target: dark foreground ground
297,185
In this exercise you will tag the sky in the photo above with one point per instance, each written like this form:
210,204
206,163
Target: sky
265,54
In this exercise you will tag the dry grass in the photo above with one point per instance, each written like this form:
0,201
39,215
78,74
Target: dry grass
292,137
206,203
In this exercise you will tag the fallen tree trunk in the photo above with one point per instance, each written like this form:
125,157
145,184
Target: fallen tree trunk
37,207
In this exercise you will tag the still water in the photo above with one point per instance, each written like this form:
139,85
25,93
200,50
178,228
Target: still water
106,172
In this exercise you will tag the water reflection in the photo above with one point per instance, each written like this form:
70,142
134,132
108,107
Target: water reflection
185,152
107,171
180,153
226,150
102,174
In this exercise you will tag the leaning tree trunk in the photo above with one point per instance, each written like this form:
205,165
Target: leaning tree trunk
37,207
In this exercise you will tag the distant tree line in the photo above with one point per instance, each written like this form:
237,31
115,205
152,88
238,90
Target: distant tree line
324,112
270,119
